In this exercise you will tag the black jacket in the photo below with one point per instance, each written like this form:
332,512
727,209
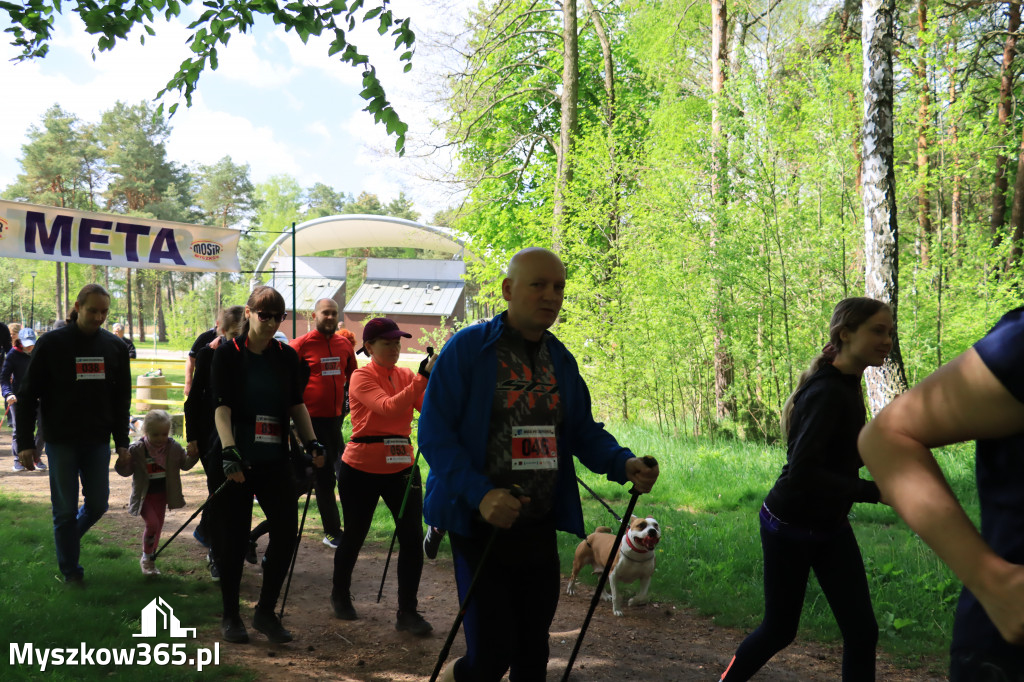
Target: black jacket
199,406
77,407
820,481
15,366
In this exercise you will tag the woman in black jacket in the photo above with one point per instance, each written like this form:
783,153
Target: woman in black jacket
803,519
257,387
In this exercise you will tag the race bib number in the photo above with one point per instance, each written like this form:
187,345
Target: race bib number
90,368
268,429
330,367
399,451
534,448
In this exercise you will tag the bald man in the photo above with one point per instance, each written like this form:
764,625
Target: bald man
506,406
331,360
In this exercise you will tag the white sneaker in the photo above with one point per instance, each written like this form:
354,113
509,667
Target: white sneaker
18,466
449,673
148,565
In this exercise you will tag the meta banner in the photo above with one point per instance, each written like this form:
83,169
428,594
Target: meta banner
59,234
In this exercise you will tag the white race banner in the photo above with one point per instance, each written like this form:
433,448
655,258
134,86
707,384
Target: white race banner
59,234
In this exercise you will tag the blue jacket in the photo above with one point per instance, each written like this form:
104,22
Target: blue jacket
454,423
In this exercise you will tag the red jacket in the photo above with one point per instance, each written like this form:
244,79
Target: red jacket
331,361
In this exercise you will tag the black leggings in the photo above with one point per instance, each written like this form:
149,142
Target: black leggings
359,493
789,555
231,513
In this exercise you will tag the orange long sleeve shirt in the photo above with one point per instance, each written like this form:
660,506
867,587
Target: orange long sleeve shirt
382,402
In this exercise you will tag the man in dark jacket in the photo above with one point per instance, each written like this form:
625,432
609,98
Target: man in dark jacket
118,330
80,379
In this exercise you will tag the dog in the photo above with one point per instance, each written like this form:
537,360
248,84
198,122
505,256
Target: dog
633,561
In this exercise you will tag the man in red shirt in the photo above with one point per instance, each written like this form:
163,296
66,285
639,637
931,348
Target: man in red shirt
331,360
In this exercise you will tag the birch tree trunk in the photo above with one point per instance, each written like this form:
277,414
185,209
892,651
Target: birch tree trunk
998,218
724,407
881,233
569,119
924,221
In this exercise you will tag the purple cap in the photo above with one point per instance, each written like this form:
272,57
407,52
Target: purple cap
382,328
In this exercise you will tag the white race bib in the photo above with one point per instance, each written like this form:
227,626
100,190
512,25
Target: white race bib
330,367
90,368
534,448
399,451
268,429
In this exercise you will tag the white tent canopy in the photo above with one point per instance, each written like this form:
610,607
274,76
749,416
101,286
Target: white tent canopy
361,231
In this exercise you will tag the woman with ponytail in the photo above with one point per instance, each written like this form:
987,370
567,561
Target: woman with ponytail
804,523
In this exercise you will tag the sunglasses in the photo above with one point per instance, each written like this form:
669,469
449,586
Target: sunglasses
265,315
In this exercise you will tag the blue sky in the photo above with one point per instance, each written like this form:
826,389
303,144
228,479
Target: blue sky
274,103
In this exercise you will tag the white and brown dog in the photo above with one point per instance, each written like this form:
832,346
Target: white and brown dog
633,561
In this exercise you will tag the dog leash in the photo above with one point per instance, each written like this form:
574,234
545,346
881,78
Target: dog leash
603,579
598,498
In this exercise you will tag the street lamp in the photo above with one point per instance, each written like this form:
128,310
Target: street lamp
32,316
12,299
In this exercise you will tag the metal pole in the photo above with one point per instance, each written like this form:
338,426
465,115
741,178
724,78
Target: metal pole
12,299
32,315
295,312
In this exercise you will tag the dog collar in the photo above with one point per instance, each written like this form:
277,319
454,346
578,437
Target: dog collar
635,549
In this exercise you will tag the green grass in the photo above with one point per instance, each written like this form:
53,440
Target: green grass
707,499
37,607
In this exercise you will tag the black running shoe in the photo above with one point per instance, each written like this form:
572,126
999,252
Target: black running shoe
432,541
343,608
412,622
233,630
268,623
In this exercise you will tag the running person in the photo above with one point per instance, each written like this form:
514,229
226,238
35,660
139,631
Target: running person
80,380
257,387
506,406
377,463
803,519
980,394
331,360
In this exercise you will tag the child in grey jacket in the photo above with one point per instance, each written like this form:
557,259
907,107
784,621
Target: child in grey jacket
155,463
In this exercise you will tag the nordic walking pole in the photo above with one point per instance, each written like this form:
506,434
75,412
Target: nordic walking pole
601,581
401,510
598,498
190,519
446,649
401,514
295,554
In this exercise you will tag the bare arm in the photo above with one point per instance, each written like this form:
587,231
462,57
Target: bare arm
961,401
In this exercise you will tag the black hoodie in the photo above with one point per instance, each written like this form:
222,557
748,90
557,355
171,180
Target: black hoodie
820,480
83,386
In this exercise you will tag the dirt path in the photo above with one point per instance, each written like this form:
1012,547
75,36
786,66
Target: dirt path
656,642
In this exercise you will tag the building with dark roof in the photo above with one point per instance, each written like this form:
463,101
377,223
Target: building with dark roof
422,296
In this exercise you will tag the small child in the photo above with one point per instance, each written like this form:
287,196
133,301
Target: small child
155,463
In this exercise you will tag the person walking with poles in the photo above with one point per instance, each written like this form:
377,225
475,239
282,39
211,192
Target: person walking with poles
506,406
200,431
803,519
81,382
378,463
155,463
257,387
331,360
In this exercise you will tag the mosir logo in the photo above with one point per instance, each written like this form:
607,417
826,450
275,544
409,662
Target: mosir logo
206,250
